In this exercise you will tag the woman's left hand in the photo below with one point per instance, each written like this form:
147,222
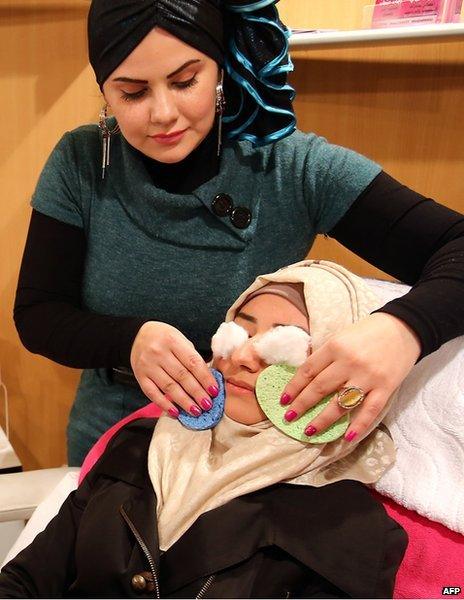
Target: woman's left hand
374,354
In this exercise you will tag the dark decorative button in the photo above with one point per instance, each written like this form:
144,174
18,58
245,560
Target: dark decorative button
222,205
240,217
139,583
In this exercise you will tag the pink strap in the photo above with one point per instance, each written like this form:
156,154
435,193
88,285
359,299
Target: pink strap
150,411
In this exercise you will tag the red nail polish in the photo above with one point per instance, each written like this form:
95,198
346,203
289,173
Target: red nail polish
310,430
290,415
206,403
173,412
285,399
349,437
195,411
213,391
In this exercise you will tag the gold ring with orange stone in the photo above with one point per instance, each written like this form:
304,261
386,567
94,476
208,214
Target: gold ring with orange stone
350,397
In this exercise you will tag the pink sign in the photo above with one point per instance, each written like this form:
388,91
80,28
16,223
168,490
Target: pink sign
391,13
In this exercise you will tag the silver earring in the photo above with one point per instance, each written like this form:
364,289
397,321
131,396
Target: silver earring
106,134
220,107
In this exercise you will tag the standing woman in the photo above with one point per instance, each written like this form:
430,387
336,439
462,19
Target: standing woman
146,227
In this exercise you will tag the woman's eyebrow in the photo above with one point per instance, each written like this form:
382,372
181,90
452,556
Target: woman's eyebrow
170,76
130,80
251,319
287,325
245,317
184,66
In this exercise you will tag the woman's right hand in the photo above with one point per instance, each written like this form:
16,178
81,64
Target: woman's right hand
170,371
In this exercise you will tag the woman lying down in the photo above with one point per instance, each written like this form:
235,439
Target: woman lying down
246,504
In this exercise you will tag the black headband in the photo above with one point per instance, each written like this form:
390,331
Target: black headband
116,28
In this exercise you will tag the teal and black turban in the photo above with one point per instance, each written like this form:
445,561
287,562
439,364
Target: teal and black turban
247,39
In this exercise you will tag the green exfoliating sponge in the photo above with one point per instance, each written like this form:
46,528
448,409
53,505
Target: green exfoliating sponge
269,387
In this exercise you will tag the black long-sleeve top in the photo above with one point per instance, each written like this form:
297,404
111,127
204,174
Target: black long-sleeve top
413,238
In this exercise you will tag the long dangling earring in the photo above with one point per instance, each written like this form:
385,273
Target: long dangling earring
106,133
220,107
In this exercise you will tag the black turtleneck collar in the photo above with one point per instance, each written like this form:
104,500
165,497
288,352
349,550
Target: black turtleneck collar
184,177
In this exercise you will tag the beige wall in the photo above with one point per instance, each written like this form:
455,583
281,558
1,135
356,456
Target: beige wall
400,105
46,89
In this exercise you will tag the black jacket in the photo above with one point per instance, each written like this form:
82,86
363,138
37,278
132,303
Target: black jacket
280,542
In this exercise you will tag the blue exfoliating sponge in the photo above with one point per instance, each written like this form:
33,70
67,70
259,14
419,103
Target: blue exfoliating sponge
209,418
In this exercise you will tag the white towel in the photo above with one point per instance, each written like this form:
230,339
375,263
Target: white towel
427,425
47,509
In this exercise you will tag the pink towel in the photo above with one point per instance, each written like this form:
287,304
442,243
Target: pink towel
434,558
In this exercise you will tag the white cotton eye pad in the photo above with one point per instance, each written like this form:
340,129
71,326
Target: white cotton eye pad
269,387
227,338
286,344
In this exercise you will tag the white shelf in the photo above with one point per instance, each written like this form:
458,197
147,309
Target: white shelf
359,36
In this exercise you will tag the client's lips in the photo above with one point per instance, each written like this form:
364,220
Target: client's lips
241,384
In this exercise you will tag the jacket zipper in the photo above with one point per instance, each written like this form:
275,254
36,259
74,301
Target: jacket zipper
151,562
145,550
205,588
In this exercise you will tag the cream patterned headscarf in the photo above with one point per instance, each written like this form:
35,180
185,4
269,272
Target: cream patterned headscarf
195,471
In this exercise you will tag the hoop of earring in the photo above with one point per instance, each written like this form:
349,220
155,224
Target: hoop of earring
220,107
106,135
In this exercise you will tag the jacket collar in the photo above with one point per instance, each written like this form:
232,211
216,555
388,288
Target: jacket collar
338,531
140,510
125,459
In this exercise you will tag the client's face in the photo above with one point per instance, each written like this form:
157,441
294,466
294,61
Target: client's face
242,368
